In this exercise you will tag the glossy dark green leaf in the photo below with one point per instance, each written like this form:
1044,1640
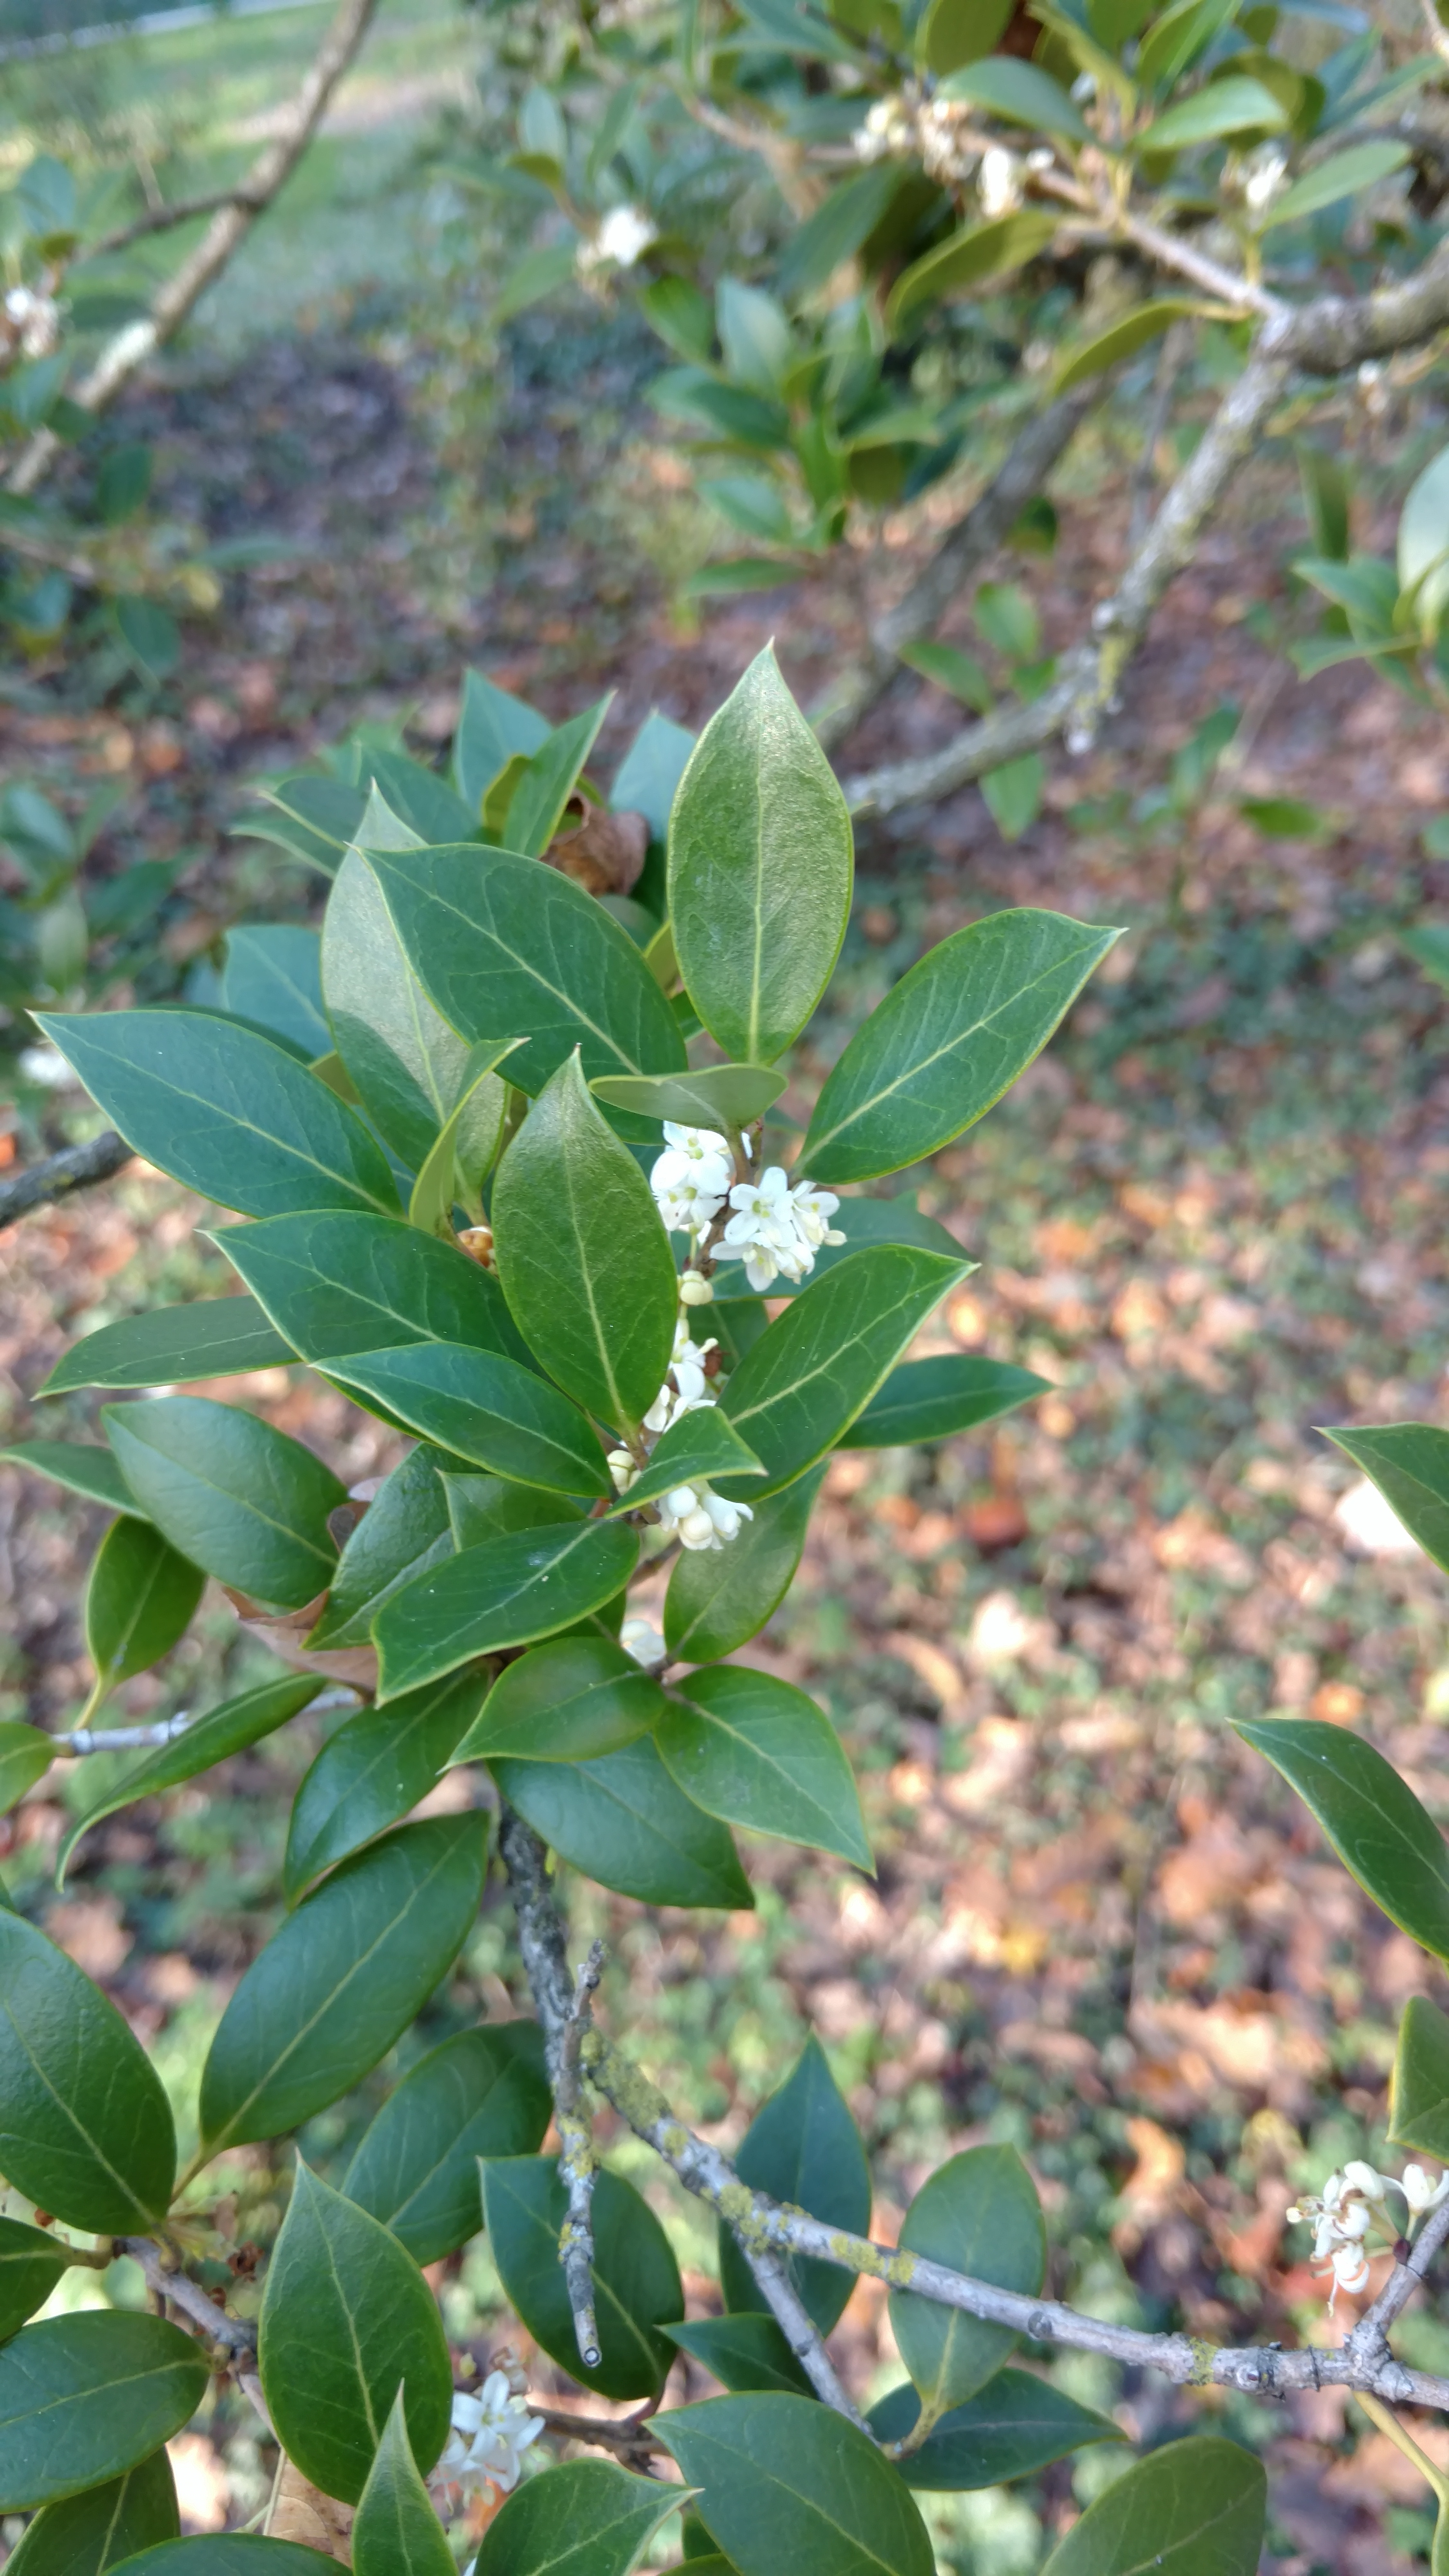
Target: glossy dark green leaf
650,772
1014,2426
509,1592
510,949
743,2352
703,1443
720,1096
139,1600
223,2553
636,2279
212,1738
623,1821
760,869
377,1767
404,1530
968,259
414,795
569,1701
585,2518
488,1507
80,1465
930,1399
948,1040
718,1598
482,2093
85,2128
463,1152
315,817
172,1345
757,1753
347,2319
804,2147
1194,2508
26,1753
492,727
584,1260
1020,92
1233,106
396,2532
224,1110
338,1284
1409,1463
405,1059
1419,2099
784,2482
978,2214
83,2398
1381,1833
273,978
91,2534
487,1409
547,779
246,1502
801,1387
31,2263
342,1978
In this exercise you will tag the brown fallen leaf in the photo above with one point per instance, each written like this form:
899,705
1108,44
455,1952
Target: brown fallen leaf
301,2513
604,853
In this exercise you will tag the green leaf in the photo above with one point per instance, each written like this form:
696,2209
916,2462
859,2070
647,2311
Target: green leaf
407,797
548,779
404,1530
1381,1833
586,2518
1177,37
171,1345
721,1597
1121,339
91,2534
405,1060
488,1410
213,1738
457,1164
316,818
1362,166
482,2093
1237,105
1020,93
396,2532
584,1260
652,767
803,2147
1194,2508
377,1767
1013,794
621,1819
223,2553
1409,1463
247,1503
839,227
947,1041
507,948
758,1753
1015,2426
26,1754
569,1701
978,2214
969,258
1419,2097
80,1465
933,1399
85,2128
760,869
31,2263
822,1360
951,669
336,1284
347,2320
743,2352
139,1601
83,2398
1427,943
954,32
491,728
1423,546
636,2279
718,1096
273,978
784,2482
342,1978
224,1110
508,1592
701,1444
148,635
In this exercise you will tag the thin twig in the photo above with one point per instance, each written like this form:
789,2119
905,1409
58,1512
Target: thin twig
629,2438
188,2295
76,1167
162,219
578,2163
165,1730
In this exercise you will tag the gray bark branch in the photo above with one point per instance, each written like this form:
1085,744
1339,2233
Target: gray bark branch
76,1167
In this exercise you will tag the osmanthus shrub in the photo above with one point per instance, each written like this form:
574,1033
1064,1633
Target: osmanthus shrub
507,1177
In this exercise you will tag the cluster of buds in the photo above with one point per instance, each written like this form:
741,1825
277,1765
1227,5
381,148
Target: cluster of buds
29,323
1351,2203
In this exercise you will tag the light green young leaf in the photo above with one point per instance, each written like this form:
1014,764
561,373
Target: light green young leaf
1237,105
247,1503
510,1591
784,2482
482,2093
404,1058
569,1701
1020,93
758,1753
458,1163
548,779
1193,2508
229,1729
95,2532
701,1444
1423,551
721,1597
978,2214
348,2320
396,2532
622,1819
1015,2426
26,1754
85,2128
933,1399
636,2278
720,1096
84,2398
1121,339
1176,38
1381,1833
170,1345
586,2518
491,728
139,1600
951,669
1419,2097
1362,166
1013,794
760,869
803,2147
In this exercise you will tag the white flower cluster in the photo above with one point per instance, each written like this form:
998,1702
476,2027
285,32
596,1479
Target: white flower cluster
490,2434
940,130
1260,176
778,1229
691,1513
32,320
1342,2214
622,239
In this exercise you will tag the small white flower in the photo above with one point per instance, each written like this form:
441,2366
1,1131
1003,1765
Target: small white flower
622,238
1365,2180
641,1639
34,319
1421,2194
813,1210
1350,2271
695,1289
700,1153
1262,177
490,2434
699,1519
623,1468
999,181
